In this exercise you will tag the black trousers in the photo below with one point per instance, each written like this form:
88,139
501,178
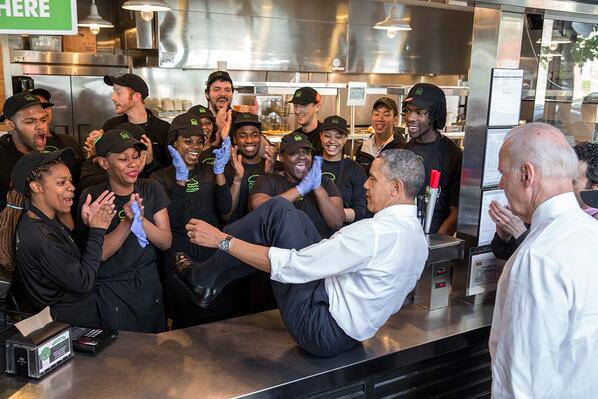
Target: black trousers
304,308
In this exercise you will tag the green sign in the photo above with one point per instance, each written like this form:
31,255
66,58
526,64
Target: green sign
53,17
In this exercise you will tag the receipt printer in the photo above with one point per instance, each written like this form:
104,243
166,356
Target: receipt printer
40,352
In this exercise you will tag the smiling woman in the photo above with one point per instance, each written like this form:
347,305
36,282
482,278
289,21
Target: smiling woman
52,270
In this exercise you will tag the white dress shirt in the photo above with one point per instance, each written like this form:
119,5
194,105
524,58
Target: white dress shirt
544,337
368,268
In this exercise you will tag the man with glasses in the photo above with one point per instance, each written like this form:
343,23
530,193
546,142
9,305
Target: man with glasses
384,118
424,112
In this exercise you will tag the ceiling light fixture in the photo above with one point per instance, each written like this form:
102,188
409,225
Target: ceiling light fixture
94,21
391,24
146,5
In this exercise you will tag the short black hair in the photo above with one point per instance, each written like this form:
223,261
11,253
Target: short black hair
588,153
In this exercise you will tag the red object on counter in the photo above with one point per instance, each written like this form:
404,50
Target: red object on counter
434,178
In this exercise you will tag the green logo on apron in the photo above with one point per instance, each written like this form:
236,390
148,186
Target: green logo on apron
192,186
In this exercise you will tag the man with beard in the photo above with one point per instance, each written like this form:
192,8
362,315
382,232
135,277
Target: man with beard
129,93
28,126
384,117
302,184
56,141
246,164
219,93
424,111
306,105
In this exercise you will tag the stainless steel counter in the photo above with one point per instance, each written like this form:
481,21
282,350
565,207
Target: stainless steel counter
251,355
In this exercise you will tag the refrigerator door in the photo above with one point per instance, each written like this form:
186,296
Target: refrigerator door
92,104
60,89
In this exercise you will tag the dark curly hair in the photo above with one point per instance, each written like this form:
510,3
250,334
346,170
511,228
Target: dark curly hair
588,153
10,215
437,115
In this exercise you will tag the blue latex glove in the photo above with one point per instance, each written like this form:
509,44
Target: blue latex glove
313,179
182,173
222,155
137,225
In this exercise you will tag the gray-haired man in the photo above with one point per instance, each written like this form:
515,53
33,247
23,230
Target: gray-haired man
331,293
544,337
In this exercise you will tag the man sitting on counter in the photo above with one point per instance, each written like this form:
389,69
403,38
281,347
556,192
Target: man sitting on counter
335,292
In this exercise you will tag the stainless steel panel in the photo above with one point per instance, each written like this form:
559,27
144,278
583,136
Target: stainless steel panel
248,355
60,89
589,7
439,42
56,58
199,39
92,105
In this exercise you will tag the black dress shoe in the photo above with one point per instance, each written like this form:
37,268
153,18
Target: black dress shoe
201,295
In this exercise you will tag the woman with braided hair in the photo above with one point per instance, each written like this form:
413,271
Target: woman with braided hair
52,269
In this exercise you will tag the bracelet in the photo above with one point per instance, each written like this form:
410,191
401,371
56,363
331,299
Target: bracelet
236,182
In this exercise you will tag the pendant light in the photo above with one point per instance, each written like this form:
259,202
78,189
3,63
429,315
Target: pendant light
94,21
146,5
391,24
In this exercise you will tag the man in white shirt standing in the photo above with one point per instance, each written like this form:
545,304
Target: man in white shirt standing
331,293
544,337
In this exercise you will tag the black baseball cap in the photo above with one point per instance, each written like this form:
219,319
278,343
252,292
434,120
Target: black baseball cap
25,165
136,130
218,75
590,197
423,95
335,122
293,141
14,104
130,80
201,112
187,125
116,141
45,94
246,118
388,103
305,95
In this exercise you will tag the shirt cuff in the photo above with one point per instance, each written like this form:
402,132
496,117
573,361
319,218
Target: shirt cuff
279,257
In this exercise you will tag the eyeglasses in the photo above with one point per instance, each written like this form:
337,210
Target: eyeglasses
420,112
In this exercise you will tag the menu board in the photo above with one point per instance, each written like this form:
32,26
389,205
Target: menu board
484,272
494,140
505,97
487,226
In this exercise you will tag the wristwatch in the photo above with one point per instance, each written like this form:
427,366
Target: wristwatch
224,245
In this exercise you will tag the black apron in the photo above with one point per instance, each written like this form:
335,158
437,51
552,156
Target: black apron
132,300
84,312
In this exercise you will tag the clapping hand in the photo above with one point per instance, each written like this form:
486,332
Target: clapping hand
137,224
237,161
222,156
182,172
90,210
